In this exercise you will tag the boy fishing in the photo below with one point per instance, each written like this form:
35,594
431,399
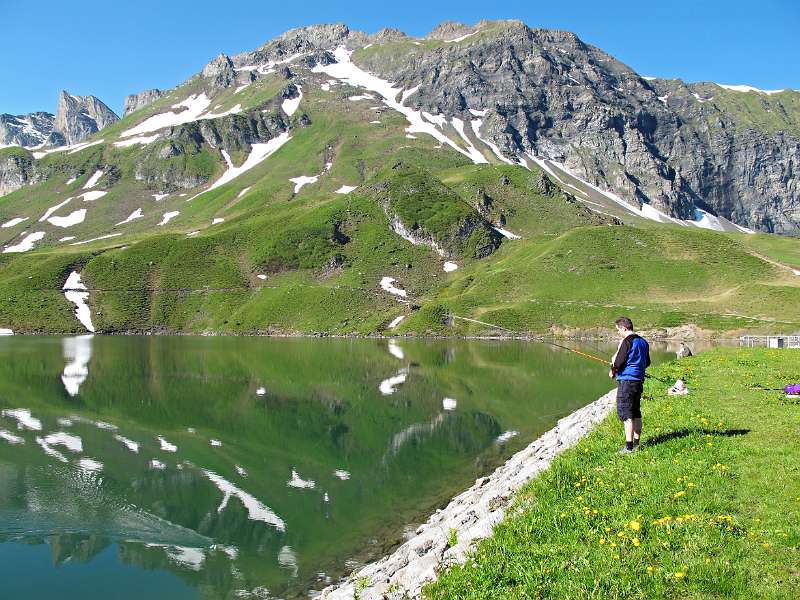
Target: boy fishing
628,366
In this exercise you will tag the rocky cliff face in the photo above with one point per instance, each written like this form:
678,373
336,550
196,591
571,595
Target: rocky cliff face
548,94
134,102
16,170
78,117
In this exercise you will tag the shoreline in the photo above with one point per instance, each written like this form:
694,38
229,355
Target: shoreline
588,337
472,514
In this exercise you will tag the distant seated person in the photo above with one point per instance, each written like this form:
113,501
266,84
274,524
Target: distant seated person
679,389
683,351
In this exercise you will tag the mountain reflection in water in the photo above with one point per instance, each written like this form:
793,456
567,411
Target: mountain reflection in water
235,468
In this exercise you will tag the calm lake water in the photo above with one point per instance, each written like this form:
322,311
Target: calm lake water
181,467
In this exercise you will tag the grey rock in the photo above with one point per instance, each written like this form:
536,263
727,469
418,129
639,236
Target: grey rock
220,72
16,170
314,40
449,30
134,102
29,130
387,34
78,117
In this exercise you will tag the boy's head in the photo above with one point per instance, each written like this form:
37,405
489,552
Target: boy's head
624,325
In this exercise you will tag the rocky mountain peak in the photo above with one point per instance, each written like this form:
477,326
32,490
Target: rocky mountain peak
447,30
220,71
318,36
29,130
388,34
78,117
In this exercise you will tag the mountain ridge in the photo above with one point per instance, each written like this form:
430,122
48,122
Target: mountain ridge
259,196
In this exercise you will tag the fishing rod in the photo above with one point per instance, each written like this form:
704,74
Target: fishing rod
538,339
544,341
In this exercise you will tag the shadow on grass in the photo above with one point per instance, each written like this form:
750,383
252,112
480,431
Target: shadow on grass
682,433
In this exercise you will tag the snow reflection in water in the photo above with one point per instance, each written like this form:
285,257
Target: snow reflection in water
77,353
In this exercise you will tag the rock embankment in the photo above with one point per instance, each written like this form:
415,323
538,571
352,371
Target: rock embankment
472,514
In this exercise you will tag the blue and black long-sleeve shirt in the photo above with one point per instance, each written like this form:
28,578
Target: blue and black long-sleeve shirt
632,359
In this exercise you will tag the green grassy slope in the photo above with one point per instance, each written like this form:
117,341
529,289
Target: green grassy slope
697,513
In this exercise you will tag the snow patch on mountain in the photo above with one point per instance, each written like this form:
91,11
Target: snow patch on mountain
74,218
747,88
290,105
53,209
93,195
476,129
69,149
387,284
345,70
97,239
258,153
141,139
302,180
13,222
27,243
168,216
137,214
92,181
77,293
193,107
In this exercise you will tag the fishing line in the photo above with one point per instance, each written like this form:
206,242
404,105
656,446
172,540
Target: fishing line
544,341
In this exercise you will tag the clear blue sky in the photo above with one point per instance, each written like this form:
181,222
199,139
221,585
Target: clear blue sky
113,48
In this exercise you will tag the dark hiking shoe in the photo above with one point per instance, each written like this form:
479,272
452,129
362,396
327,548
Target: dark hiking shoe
624,450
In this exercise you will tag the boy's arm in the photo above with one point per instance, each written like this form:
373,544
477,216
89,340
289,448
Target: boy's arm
621,357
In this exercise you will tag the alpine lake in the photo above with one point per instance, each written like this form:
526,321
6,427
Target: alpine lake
222,467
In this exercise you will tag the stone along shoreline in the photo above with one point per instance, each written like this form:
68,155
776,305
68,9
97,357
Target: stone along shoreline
471,515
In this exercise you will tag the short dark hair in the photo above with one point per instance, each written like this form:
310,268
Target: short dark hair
624,322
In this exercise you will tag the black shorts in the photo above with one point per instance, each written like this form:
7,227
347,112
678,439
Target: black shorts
629,397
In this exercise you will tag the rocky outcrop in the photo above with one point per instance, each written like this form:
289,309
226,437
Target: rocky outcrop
16,170
171,163
29,130
311,40
220,72
134,102
388,34
472,514
78,117
449,30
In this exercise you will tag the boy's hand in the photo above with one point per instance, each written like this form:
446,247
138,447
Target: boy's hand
611,374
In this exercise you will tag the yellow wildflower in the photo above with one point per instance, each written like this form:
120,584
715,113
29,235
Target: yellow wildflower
679,574
635,525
